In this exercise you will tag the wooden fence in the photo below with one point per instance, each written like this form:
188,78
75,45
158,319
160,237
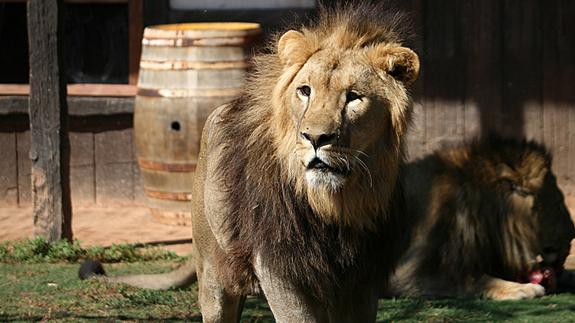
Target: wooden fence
505,66
103,167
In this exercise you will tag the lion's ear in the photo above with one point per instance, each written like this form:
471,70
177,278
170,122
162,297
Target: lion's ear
512,180
526,178
505,171
293,48
400,62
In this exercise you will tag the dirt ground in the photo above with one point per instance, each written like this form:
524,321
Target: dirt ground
104,226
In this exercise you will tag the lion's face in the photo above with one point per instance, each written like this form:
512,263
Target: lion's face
542,204
556,229
348,110
341,118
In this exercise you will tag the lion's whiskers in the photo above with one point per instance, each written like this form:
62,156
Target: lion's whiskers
365,168
361,153
343,157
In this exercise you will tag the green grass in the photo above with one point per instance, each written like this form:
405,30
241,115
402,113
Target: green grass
39,250
52,291
553,308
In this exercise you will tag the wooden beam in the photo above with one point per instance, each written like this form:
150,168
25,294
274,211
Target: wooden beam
84,89
8,170
14,89
75,1
102,90
50,147
77,105
135,31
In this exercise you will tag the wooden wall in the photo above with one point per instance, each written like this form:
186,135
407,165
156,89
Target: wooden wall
505,66
103,165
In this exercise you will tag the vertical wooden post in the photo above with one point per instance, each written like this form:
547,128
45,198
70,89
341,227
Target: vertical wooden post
50,148
135,30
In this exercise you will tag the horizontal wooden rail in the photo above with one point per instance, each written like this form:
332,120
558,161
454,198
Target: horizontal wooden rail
119,90
77,106
76,1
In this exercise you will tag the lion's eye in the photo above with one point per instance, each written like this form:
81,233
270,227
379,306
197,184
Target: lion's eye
304,91
352,96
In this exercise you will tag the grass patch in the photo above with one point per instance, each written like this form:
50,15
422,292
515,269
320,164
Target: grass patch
553,308
53,292
39,250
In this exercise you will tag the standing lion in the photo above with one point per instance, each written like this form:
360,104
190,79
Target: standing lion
482,214
296,186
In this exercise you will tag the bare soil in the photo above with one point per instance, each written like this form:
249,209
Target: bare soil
103,226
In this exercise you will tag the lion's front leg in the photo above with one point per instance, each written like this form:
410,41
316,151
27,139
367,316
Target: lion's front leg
286,302
215,303
499,289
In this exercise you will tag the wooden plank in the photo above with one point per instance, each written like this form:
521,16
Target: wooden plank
568,75
549,67
522,78
474,63
8,170
102,90
13,105
560,148
444,79
135,32
87,106
139,195
558,74
483,60
86,89
24,169
561,144
76,1
77,106
416,140
50,149
14,89
96,1
114,168
82,171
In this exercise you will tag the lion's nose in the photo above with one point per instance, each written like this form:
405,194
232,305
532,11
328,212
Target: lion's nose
318,140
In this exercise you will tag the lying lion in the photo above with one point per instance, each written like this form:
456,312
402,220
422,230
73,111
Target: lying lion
482,214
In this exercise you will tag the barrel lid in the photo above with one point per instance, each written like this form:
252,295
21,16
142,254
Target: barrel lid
202,30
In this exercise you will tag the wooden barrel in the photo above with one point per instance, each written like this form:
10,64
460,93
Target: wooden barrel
186,71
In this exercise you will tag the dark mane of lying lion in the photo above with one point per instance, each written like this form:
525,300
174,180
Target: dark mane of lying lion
479,230
268,217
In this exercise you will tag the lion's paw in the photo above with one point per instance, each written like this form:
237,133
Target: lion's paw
516,291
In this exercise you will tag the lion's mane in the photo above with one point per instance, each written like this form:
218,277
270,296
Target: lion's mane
472,212
270,214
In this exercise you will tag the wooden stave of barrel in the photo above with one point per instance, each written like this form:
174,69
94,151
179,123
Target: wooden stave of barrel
186,71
